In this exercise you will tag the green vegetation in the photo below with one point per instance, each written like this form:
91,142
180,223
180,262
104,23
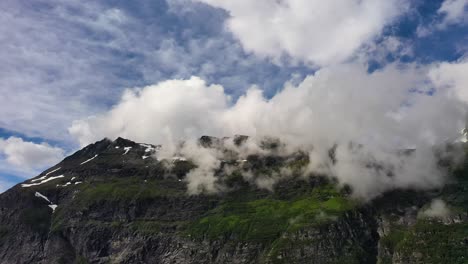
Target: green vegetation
58,219
436,242
117,190
127,189
428,241
267,218
80,260
397,233
146,227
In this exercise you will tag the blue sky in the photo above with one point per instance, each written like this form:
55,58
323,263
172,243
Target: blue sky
64,61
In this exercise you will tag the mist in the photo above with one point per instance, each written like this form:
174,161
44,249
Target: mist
368,117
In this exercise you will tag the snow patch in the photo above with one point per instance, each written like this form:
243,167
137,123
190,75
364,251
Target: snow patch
51,205
127,149
145,157
53,171
176,158
88,160
45,176
72,178
39,179
117,147
40,195
64,185
78,182
149,148
25,185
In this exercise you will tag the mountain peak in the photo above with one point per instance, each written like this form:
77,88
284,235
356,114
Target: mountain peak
123,142
114,201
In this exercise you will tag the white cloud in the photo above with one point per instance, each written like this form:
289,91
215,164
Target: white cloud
454,12
27,158
73,58
451,12
437,209
313,31
452,76
208,160
164,112
386,111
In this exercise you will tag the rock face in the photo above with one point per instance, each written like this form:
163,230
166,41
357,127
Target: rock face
114,202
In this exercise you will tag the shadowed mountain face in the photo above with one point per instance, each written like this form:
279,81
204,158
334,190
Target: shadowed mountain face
115,202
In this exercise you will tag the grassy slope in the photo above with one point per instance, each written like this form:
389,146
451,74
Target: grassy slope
245,216
430,240
267,218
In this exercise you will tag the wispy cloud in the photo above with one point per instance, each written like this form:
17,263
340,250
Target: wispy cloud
62,60
450,13
453,12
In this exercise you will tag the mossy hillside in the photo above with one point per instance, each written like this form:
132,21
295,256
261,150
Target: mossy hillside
147,227
394,237
130,188
267,218
430,240
114,190
436,242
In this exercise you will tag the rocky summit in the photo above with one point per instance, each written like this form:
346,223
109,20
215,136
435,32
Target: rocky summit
116,202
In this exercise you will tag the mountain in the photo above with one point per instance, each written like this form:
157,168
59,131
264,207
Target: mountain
114,202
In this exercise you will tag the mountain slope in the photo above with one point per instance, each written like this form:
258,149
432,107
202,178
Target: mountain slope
112,202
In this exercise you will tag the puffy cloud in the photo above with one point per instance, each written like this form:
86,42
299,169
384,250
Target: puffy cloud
437,209
452,77
314,31
454,12
398,107
28,157
170,110
208,160
76,58
451,12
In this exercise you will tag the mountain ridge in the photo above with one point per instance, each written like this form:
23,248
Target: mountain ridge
112,205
